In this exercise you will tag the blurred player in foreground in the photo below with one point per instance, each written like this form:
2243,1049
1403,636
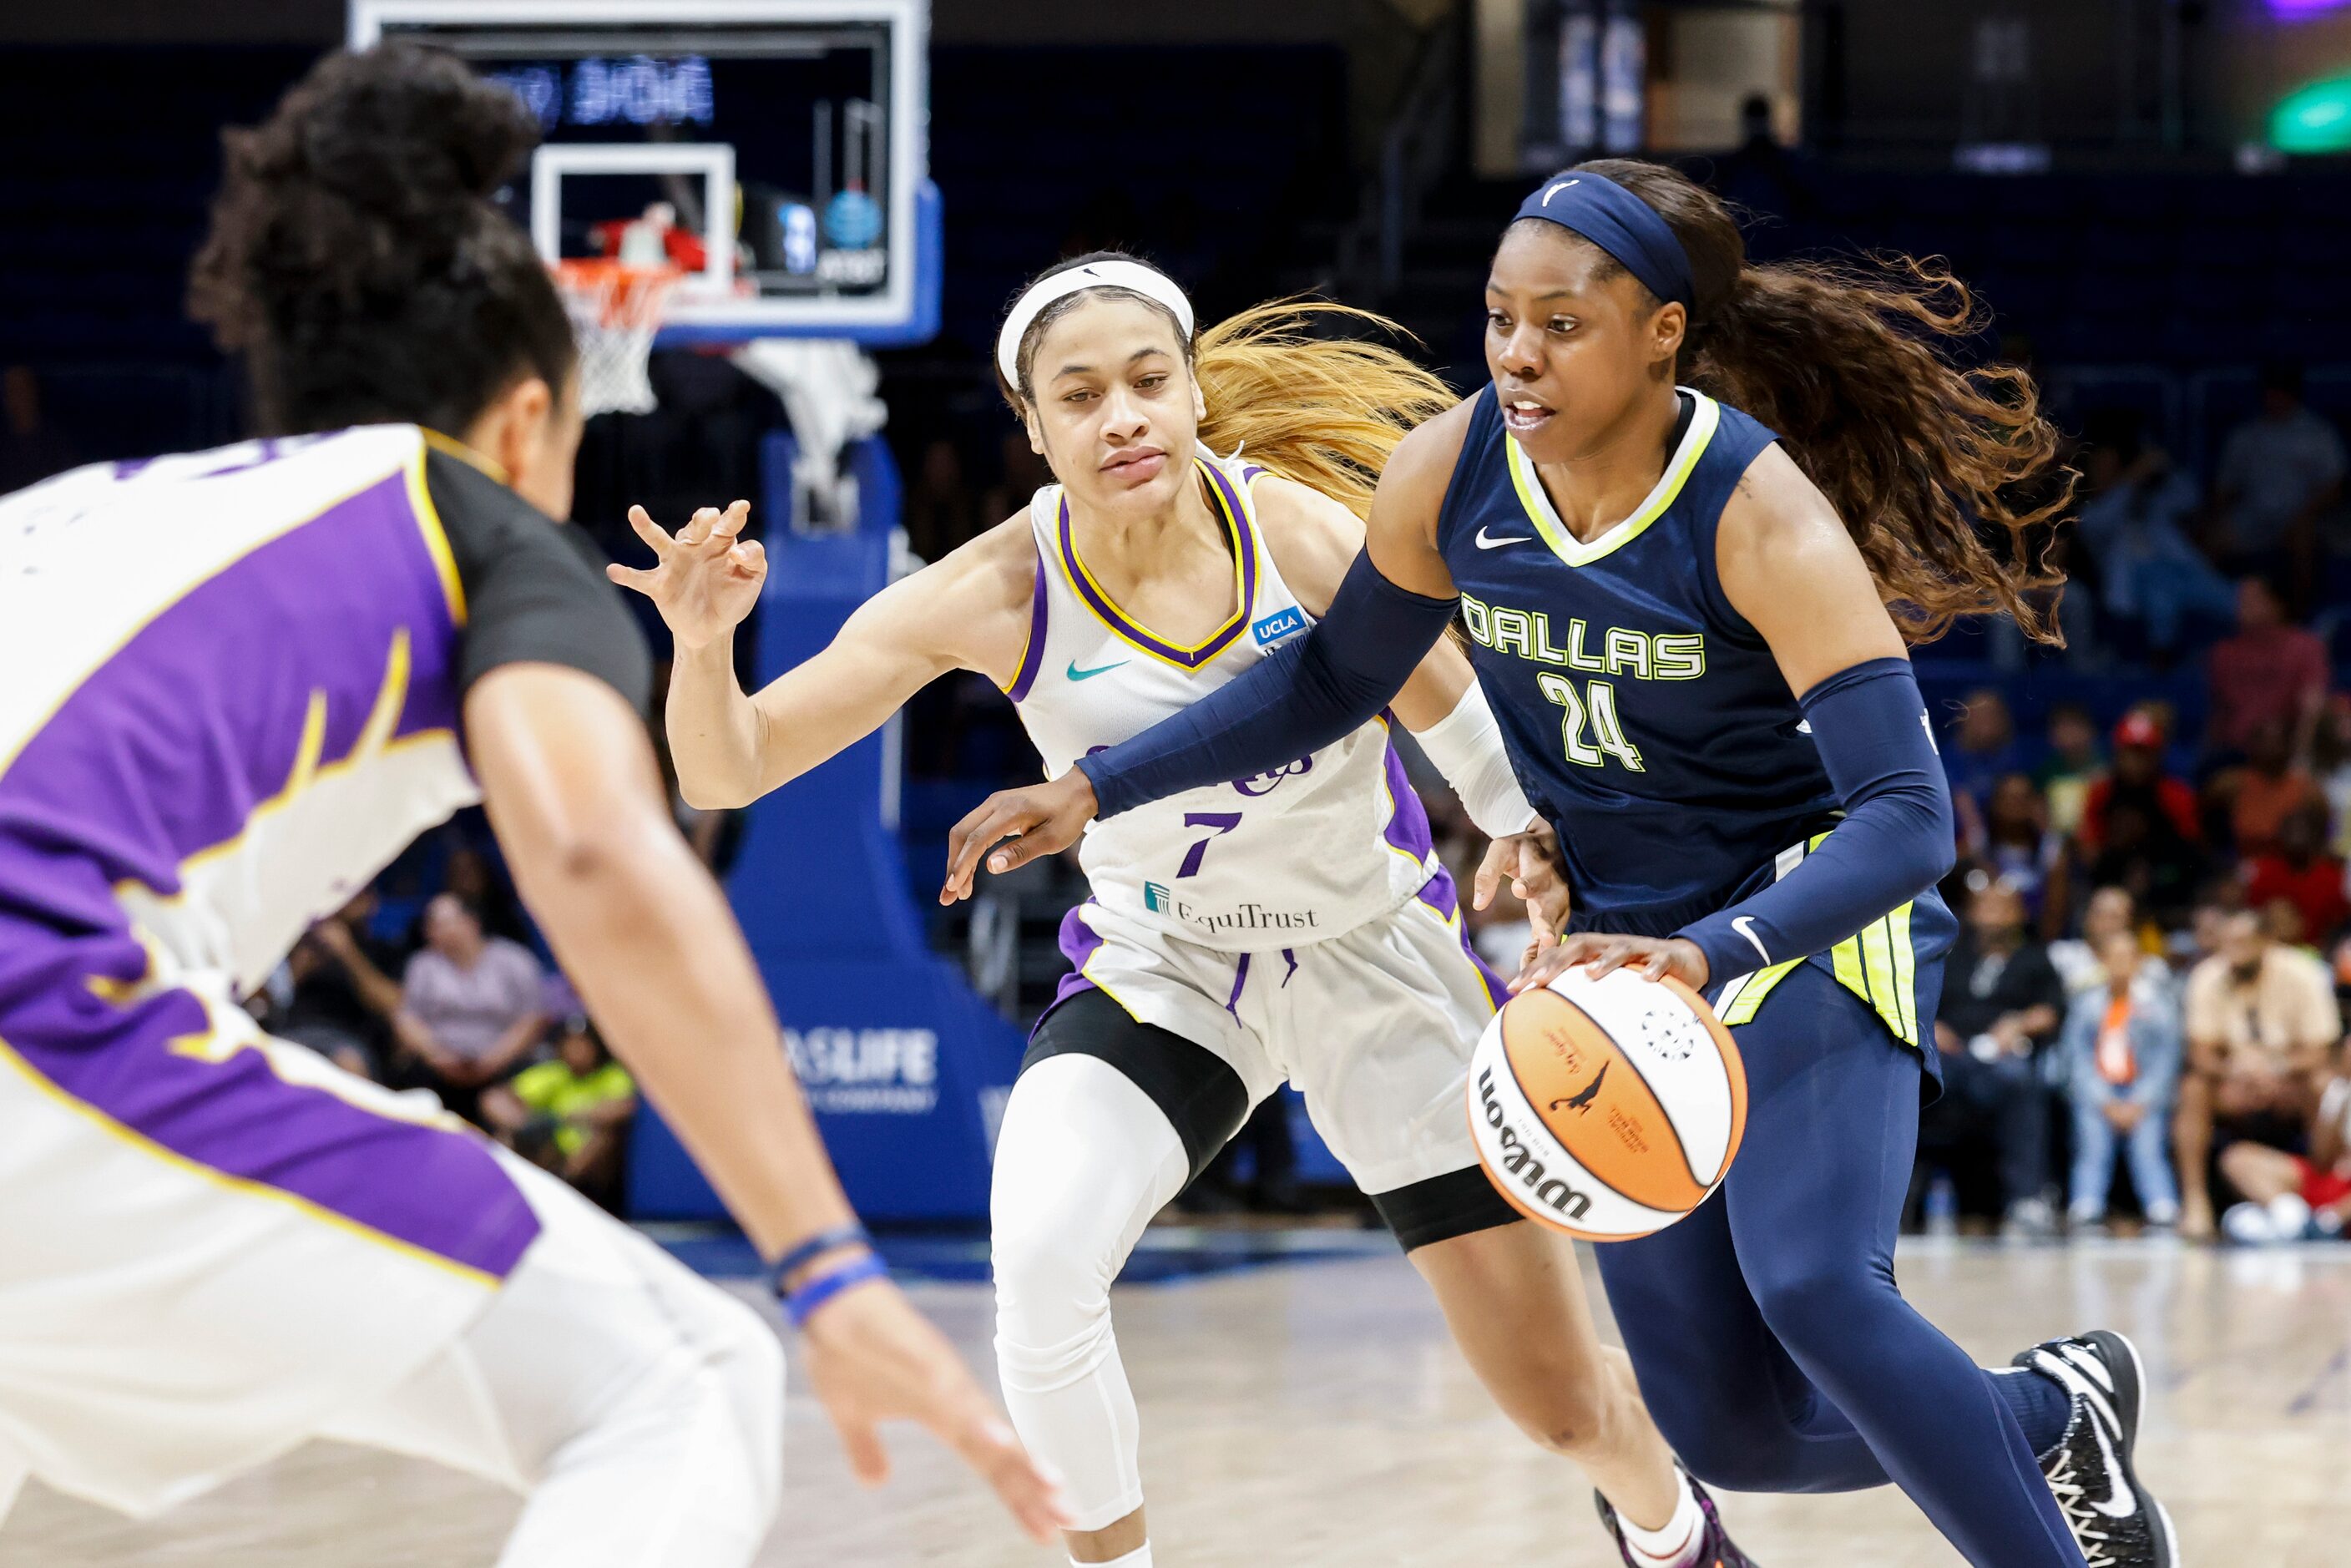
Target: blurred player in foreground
240,682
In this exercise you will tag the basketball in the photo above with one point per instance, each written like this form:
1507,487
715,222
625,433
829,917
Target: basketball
1608,1108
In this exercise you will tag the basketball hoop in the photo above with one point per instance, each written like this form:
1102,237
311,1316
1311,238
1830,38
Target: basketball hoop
615,309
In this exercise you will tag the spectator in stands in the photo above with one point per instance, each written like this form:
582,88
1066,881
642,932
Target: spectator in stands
2072,765
2256,796
470,1003
2278,472
2209,922
2138,773
2290,1196
571,1113
2330,761
31,448
2139,826
2137,526
2122,1052
2014,842
2261,1025
2110,911
2269,671
1983,746
344,999
2003,1003
470,876
2146,853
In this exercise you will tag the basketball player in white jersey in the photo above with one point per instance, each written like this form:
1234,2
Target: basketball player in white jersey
1292,925
238,683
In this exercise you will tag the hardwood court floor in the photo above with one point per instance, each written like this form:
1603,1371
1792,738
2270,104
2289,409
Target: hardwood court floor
1314,1415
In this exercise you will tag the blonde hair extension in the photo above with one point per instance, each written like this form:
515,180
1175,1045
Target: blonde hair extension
1325,411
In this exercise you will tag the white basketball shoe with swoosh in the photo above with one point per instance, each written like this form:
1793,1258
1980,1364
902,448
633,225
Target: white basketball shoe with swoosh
2116,1522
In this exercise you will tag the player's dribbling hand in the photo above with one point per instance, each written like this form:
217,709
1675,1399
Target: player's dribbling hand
1043,820
872,1358
703,580
1596,952
1530,861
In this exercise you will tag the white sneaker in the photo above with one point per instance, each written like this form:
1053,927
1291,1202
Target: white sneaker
2289,1216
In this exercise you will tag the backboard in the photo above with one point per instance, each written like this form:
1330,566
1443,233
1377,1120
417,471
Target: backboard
779,148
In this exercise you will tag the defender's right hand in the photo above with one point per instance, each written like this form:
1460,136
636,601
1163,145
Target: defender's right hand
871,1357
1043,820
705,579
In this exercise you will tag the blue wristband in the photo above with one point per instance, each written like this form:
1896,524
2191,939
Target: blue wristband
802,1303
850,1235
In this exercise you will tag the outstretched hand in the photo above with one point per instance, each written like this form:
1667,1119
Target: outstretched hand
1041,820
871,1357
705,579
1531,861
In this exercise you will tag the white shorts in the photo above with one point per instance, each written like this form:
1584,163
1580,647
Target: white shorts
215,1246
1374,1027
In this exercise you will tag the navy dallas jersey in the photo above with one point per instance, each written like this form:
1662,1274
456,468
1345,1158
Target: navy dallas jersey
1648,721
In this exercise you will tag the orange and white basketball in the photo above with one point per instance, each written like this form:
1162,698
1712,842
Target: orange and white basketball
1608,1108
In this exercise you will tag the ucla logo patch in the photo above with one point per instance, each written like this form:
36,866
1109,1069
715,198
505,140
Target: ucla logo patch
1273,628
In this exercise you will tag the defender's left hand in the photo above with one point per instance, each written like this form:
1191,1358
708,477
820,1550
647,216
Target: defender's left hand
1530,861
1596,952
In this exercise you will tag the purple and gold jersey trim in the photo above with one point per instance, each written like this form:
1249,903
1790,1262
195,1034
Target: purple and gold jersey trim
1242,537
160,1076
1408,832
1441,896
1032,653
182,705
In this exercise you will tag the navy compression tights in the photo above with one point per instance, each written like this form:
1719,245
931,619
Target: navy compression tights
1769,1337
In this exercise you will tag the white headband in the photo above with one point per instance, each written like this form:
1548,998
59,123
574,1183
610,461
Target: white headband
1151,284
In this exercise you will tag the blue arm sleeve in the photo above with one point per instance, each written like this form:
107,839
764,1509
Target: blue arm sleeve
1896,840
1300,698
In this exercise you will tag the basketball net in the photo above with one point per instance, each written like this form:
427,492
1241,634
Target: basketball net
615,309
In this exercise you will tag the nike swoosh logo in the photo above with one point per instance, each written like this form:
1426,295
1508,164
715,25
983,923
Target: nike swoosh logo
1078,674
2119,1504
1485,543
1745,925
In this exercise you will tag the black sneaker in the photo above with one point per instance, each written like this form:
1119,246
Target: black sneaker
2115,1521
1716,1548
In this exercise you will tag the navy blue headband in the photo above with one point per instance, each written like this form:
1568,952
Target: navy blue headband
1619,223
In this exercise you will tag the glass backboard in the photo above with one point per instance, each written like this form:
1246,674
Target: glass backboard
776,149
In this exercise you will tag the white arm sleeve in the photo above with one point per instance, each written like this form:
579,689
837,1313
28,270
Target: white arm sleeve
1467,747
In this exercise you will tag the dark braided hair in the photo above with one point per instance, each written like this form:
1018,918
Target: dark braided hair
356,261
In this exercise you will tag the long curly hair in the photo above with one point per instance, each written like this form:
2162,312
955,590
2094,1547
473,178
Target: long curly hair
355,260
1326,411
1948,479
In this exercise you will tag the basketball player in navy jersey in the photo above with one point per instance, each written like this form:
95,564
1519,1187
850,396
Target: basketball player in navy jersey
1677,602
1294,925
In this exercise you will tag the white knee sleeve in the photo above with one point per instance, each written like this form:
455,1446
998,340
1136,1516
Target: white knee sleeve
1082,1163
639,1405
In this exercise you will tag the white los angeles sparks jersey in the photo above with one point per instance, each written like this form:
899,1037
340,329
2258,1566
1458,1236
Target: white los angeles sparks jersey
1307,851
